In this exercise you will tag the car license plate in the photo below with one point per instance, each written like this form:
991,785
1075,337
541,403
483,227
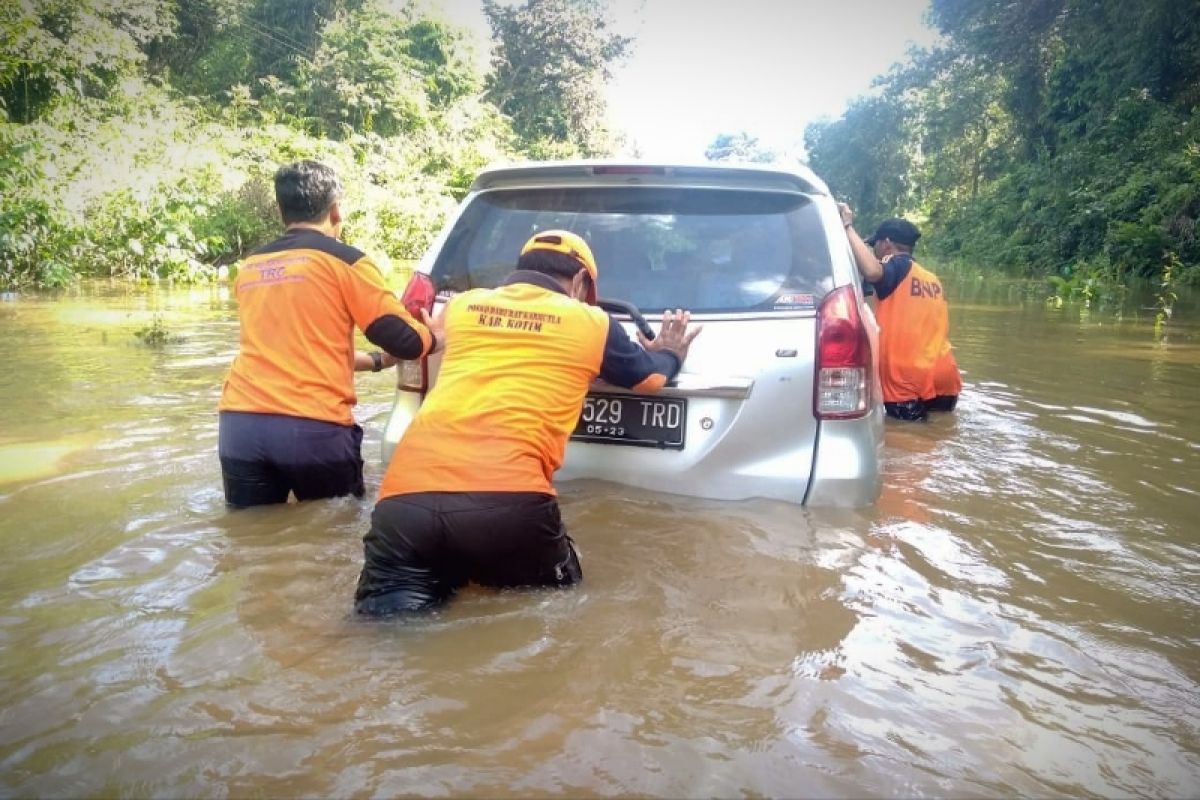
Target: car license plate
632,419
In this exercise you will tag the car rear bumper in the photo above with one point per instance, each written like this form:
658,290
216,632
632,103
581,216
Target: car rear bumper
842,471
846,471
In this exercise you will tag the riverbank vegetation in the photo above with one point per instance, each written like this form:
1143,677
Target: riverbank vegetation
1056,138
138,138
1059,139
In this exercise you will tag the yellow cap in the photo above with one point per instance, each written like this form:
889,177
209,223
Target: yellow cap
569,244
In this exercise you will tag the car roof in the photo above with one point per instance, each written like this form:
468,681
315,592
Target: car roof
722,175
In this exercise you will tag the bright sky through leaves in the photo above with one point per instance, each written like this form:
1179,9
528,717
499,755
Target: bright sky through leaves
700,68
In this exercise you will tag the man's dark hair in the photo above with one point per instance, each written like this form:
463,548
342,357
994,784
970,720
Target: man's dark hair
899,231
305,190
549,262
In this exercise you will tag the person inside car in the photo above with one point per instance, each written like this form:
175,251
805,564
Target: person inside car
468,494
916,364
285,422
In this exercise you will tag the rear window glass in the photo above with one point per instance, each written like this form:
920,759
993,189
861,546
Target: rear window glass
706,250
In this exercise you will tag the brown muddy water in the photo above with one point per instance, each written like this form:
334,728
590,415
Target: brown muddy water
1018,616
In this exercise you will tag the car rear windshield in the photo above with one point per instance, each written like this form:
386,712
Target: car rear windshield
706,250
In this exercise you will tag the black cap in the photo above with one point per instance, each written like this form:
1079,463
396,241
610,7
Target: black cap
900,231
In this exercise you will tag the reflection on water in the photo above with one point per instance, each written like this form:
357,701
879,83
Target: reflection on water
1016,616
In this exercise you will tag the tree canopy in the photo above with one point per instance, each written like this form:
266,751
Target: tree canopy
137,137
1054,136
738,147
550,59
82,48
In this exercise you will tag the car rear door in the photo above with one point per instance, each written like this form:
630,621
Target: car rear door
736,423
751,265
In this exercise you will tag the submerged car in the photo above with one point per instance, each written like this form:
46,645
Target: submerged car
779,396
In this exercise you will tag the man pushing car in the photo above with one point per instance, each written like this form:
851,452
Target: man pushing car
469,495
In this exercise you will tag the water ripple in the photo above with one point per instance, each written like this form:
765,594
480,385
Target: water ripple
1016,617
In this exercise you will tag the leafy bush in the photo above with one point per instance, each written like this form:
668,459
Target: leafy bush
111,171
56,49
181,232
35,241
239,220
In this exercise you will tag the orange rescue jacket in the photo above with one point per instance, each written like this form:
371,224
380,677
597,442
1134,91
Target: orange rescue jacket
518,363
299,299
916,361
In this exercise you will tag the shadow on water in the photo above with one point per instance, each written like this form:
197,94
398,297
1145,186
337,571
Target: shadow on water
1016,616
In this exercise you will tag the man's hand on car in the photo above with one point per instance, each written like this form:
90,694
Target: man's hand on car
673,335
437,326
846,213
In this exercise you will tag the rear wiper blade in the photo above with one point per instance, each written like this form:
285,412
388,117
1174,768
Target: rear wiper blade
630,310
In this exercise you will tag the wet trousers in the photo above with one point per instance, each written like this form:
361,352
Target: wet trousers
423,547
916,410
266,456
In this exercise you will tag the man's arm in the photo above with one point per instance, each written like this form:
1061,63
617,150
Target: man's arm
647,368
376,361
381,316
373,361
864,257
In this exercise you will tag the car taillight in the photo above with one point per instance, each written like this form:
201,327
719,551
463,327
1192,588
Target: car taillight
418,295
843,385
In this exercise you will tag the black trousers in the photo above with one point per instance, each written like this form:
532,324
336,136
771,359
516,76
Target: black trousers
423,547
265,456
916,410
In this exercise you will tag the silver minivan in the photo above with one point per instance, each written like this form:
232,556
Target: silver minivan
779,396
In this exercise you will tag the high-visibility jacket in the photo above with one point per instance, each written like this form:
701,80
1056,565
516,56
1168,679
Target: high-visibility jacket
510,389
299,299
916,360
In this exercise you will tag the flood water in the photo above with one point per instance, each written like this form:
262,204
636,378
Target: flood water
1018,616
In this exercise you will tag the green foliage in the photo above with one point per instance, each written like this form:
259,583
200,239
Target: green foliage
226,42
55,48
1121,196
962,132
330,67
550,62
169,178
285,34
1017,41
156,334
238,220
1058,138
1166,294
865,156
438,53
34,244
1087,283
362,78
181,231
738,147
394,209
379,72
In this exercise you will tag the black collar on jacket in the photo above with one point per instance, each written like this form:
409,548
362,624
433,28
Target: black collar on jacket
536,278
